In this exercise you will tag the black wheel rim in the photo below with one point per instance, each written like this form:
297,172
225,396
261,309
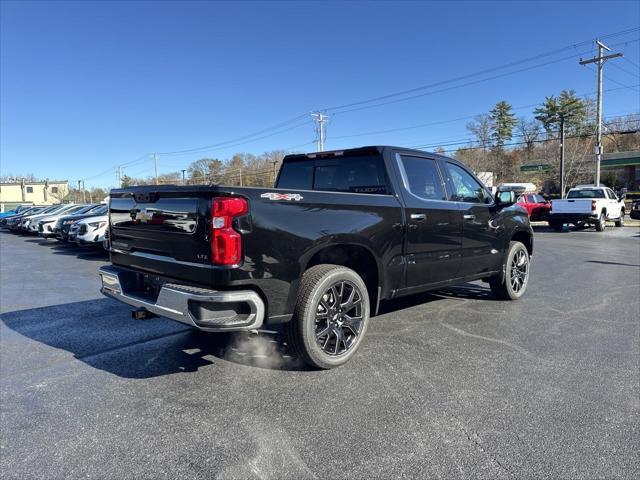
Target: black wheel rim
339,320
519,270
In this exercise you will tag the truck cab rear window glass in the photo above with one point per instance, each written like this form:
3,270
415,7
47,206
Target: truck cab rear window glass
351,174
586,193
29,189
422,178
296,175
465,188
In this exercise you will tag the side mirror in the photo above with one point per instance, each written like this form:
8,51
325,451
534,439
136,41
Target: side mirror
504,199
622,196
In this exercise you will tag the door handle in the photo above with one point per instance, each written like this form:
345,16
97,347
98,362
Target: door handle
418,217
469,217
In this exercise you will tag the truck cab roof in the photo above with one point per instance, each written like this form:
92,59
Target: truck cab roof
364,150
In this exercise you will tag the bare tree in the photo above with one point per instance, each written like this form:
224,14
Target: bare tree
530,131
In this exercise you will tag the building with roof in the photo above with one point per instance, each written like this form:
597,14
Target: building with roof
48,192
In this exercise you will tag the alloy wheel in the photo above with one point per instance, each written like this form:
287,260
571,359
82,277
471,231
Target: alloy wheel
339,321
519,270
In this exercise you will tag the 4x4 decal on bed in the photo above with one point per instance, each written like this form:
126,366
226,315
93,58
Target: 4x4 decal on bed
282,196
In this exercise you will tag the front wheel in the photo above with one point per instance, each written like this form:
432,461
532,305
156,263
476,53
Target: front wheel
620,221
330,318
513,284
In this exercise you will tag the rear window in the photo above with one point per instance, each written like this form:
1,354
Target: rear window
586,193
364,174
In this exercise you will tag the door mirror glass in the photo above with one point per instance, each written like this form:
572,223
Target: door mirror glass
504,199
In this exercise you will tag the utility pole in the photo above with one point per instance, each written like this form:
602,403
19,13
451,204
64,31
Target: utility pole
78,196
275,171
155,166
119,176
320,118
84,191
183,182
600,59
562,156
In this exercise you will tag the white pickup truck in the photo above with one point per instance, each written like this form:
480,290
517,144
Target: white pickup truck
587,205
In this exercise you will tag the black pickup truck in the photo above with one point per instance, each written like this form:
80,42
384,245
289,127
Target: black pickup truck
341,232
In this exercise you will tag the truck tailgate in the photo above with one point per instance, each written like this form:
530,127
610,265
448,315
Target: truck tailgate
570,206
150,228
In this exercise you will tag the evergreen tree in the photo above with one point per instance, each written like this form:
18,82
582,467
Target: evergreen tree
567,104
503,122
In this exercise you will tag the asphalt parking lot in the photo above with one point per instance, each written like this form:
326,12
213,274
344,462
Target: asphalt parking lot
447,385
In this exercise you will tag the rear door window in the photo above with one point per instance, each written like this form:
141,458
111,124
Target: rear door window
422,178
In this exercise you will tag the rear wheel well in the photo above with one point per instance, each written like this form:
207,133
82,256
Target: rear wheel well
358,259
524,238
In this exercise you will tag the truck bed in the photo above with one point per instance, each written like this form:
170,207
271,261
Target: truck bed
165,233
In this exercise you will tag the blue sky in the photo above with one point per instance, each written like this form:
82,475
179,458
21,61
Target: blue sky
86,86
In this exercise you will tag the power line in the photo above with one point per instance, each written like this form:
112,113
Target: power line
467,140
200,150
441,122
363,103
216,145
631,62
481,72
636,75
364,107
586,135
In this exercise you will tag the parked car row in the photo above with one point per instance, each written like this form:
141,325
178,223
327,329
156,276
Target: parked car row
84,225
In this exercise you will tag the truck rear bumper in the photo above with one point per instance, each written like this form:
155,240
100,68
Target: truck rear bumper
572,217
208,310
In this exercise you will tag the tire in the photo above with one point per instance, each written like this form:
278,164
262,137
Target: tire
320,287
601,223
556,226
620,221
513,284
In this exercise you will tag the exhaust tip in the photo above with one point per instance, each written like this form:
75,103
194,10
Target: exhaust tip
142,314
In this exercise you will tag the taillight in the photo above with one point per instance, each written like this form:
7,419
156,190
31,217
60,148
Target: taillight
226,243
550,206
593,205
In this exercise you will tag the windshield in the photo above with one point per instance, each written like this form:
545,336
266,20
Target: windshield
75,209
97,209
47,209
586,193
86,209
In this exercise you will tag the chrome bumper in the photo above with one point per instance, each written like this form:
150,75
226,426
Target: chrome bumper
208,310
